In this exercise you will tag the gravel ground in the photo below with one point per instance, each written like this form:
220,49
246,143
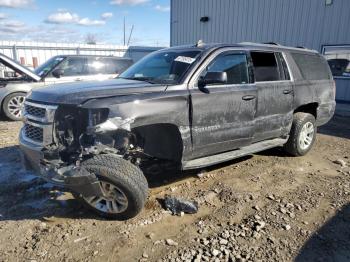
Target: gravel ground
265,207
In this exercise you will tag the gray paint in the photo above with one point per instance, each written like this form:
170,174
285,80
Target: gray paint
343,89
308,23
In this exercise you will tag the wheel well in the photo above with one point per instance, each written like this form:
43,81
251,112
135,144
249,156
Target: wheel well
308,108
162,141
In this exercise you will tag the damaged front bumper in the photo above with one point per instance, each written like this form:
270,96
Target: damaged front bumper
73,178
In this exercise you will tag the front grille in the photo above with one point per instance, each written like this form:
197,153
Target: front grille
34,133
35,111
38,123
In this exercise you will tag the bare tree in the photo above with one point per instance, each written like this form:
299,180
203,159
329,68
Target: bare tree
90,39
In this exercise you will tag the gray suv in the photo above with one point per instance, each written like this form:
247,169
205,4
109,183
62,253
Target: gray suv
185,107
58,69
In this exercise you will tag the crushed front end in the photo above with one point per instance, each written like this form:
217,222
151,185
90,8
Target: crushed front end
56,139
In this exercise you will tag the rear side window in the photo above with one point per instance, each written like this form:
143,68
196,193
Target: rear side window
235,66
107,65
312,67
116,66
266,67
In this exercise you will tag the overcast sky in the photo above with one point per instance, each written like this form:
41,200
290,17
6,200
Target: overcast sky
72,20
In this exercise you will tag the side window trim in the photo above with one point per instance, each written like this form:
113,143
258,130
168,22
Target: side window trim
289,67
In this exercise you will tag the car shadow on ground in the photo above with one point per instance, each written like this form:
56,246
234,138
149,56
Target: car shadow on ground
338,126
331,242
25,196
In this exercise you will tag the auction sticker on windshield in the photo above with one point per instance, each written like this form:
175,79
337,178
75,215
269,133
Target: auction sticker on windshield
184,59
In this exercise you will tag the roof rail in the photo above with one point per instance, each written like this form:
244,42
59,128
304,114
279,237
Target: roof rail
271,43
301,47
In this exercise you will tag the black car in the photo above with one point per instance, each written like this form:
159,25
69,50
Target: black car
187,107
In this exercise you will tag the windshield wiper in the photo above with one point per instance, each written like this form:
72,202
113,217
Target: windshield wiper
141,78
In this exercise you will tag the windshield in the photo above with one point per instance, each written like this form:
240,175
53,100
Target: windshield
46,67
162,67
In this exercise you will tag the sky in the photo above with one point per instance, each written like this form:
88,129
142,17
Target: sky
73,20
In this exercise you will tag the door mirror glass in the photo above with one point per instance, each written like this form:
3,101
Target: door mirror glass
213,78
58,72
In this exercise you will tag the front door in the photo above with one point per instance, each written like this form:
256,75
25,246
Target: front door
223,115
75,69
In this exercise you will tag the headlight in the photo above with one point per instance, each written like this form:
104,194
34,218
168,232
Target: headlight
114,124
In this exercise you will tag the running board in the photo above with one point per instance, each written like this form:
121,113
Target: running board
223,157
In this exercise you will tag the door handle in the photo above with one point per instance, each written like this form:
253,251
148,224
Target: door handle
78,79
248,97
287,91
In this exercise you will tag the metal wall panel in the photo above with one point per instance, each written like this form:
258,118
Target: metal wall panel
308,23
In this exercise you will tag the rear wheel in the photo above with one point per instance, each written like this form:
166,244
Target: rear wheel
13,105
123,196
302,135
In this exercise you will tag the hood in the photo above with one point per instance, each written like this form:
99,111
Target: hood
18,68
77,93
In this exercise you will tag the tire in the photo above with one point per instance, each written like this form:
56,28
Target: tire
120,180
13,104
301,139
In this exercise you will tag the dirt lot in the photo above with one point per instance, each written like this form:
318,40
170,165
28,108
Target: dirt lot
267,207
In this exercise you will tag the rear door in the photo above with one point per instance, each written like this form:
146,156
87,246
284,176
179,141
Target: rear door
275,95
223,116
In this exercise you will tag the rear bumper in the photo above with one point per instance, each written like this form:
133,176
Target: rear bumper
325,113
73,178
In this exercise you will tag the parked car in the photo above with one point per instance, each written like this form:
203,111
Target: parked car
58,69
189,106
340,67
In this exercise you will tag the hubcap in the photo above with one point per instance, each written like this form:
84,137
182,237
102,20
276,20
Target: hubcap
113,200
306,135
15,106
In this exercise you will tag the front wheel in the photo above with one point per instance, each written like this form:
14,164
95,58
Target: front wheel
13,105
123,185
302,135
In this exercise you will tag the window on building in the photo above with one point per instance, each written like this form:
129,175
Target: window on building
338,58
235,66
265,67
312,66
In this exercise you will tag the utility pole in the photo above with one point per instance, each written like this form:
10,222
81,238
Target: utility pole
132,29
124,32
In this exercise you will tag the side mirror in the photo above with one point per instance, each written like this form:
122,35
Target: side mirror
213,78
58,73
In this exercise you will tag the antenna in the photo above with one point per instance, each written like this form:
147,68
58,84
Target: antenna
132,29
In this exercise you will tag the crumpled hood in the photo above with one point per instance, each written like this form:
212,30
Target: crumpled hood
77,93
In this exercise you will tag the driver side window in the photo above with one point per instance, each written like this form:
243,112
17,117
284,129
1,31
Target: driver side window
235,66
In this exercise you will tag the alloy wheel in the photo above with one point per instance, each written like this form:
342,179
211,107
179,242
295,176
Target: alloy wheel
15,106
113,200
